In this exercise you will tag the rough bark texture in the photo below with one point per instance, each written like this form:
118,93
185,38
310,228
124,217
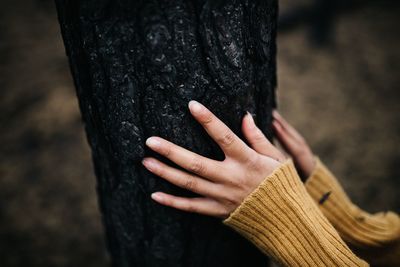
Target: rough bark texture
136,64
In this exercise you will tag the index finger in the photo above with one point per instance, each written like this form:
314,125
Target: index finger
229,142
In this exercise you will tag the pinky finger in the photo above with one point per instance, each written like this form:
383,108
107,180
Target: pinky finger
201,205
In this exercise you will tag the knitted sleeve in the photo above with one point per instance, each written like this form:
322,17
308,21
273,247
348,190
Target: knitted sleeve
282,220
374,237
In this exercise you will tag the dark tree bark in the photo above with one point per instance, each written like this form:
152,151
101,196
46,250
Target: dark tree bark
136,64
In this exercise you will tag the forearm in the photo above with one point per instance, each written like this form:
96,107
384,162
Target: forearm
375,237
281,219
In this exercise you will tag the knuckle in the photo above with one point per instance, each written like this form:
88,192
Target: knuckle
231,200
235,182
254,164
191,208
240,185
190,184
208,118
227,139
160,171
252,160
224,212
197,166
167,151
169,202
231,185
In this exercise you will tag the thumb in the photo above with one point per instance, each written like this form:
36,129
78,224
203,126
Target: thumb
257,139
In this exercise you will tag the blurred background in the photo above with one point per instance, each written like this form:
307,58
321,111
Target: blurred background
338,72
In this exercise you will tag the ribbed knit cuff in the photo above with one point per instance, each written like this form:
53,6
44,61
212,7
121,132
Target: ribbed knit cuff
354,225
281,219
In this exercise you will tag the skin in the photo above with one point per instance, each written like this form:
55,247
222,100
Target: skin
295,145
223,185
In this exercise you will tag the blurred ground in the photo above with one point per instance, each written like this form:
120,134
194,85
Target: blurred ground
343,97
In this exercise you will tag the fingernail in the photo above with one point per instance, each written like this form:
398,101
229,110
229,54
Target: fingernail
157,197
195,106
153,142
149,164
250,119
275,113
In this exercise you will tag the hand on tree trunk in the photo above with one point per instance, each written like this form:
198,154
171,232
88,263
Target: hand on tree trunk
223,185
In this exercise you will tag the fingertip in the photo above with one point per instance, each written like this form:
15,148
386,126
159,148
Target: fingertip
153,142
145,160
201,113
250,118
248,121
194,106
150,163
157,196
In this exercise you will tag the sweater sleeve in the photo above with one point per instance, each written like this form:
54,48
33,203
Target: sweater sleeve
282,220
374,237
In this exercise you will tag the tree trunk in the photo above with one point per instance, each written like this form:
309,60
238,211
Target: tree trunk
136,65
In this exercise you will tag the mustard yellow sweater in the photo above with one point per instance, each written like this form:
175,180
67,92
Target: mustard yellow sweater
315,223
